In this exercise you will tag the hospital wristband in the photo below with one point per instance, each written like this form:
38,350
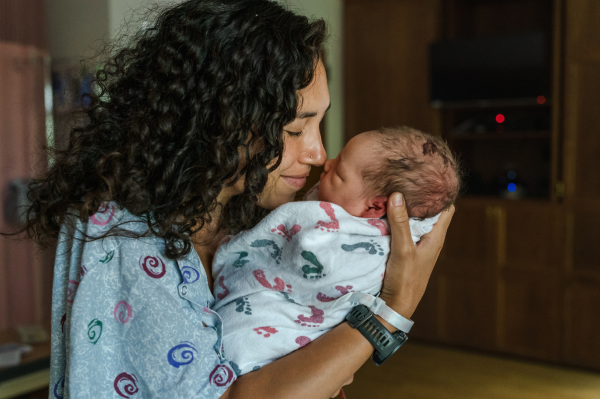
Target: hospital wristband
379,307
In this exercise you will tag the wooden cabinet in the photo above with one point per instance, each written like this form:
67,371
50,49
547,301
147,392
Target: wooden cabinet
520,277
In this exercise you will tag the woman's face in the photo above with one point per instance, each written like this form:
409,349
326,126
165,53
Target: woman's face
303,146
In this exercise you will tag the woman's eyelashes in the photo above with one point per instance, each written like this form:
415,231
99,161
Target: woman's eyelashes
294,134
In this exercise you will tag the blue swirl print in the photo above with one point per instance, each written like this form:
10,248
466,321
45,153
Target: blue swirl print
187,350
189,274
60,385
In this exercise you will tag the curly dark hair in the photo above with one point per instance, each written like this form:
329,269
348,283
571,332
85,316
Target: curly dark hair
172,114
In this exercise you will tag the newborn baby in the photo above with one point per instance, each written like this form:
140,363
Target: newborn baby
288,280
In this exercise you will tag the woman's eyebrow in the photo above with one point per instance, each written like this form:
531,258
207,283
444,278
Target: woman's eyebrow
310,114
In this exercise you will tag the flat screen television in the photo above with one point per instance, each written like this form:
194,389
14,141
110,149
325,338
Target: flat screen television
498,70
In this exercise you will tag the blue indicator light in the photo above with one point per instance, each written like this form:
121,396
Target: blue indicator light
512,187
512,175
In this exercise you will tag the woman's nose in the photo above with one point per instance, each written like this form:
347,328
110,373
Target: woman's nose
314,152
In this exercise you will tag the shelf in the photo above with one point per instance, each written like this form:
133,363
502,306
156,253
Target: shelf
517,135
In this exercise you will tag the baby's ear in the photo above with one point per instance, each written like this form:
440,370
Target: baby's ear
377,207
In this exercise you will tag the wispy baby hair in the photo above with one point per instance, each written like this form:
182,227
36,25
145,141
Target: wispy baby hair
419,165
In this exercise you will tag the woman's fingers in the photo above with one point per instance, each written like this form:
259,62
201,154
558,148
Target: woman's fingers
438,234
402,243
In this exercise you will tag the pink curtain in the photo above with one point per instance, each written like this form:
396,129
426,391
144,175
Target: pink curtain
25,270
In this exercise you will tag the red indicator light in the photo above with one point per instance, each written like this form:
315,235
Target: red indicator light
499,118
541,100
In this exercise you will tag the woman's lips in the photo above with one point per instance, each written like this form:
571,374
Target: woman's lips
296,181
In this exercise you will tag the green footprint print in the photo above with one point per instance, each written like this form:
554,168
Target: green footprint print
315,271
243,305
276,254
371,247
241,262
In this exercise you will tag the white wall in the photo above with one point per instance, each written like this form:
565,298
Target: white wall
331,11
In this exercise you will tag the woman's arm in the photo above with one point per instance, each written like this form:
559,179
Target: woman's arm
319,369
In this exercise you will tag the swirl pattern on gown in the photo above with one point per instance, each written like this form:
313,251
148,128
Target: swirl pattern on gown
221,376
181,354
153,266
59,388
126,385
104,214
94,331
190,274
123,312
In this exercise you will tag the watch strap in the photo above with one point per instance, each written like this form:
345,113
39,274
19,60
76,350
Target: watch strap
384,342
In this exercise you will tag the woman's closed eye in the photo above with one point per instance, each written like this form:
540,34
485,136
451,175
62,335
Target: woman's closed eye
294,134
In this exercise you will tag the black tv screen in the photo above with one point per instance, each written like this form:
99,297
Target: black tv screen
500,68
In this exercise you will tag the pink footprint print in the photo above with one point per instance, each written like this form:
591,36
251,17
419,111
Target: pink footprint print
259,275
332,226
380,224
343,290
303,341
287,234
268,331
316,317
223,294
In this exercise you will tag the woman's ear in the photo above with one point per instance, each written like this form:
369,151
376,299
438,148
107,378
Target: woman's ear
377,207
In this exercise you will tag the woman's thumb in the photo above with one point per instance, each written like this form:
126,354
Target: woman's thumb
399,222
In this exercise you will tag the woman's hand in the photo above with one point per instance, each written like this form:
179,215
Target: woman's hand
409,266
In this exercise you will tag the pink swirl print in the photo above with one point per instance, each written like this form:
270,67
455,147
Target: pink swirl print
123,312
126,385
104,214
221,376
71,291
153,266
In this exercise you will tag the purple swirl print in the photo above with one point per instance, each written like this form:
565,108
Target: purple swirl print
104,214
221,376
153,266
71,291
123,312
126,385
185,351
189,274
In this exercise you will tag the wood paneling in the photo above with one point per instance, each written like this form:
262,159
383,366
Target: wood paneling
23,22
386,63
582,324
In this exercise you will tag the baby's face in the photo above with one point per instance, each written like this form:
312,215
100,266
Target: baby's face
342,182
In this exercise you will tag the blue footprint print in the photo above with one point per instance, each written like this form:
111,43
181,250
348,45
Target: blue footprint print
241,261
243,306
276,254
372,247
287,296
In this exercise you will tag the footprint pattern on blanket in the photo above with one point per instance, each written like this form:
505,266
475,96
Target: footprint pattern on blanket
316,318
225,292
287,297
266,330
243,306
371,247
332,226
276,254
343,291
279,285
380,225
240,262
315,271
282,231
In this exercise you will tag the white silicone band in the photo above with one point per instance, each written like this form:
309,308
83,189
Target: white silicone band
378,307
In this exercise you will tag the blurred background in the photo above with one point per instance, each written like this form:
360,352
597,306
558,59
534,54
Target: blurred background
513,306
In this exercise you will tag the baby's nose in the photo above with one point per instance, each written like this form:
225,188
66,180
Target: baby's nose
327,165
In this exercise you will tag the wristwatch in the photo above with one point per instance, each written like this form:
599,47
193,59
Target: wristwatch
384,342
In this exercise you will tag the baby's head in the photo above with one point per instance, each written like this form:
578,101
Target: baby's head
375,164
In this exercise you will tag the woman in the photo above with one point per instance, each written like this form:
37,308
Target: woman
207,121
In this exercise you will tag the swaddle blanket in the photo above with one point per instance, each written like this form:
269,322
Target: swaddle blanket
286,282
